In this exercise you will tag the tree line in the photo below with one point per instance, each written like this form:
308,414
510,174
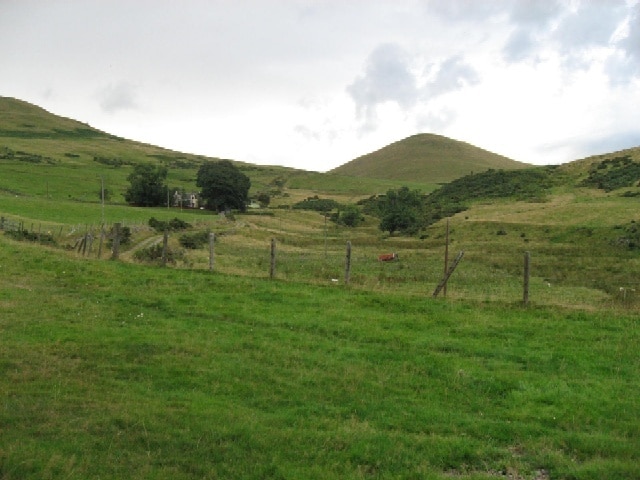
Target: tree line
223,186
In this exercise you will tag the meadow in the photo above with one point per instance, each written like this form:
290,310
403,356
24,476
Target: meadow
112,370
126,368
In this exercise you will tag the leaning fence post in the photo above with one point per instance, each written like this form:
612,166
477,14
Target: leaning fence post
445,279
347,268
527,262
116,241
212,241
272,270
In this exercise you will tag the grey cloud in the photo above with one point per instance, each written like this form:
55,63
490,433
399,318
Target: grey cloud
387,78
121,96
611,143
452,75
534,13
531,19
519,45
631,43
591,24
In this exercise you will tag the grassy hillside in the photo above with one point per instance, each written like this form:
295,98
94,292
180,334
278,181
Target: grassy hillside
43,154
126,369
427,158
114,370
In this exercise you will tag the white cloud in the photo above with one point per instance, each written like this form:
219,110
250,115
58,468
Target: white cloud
278,81
387,78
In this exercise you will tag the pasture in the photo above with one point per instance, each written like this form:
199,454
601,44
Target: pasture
112,370
127,369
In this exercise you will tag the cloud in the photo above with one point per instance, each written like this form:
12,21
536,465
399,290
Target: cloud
611,143
452,75
121,96
387,78
530,19
592,24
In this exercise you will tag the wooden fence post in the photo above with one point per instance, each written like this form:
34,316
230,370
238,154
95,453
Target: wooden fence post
444,280
272,270
101,240
446,257
347,268
527,265
116,241
165,244
1,223
212,241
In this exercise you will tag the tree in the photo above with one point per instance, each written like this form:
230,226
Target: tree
223,186
349,216
401,210
147,186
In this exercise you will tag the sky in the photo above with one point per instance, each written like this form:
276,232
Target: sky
313,84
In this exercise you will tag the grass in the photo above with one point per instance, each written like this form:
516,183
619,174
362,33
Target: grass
114,370
117,369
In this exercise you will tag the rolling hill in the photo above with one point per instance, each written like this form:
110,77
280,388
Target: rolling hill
426,157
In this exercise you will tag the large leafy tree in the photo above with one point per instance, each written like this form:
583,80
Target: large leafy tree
402,211
223,186
147,187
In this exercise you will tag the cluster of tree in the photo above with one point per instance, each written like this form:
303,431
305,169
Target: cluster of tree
617,172
348,215
407,212
224,186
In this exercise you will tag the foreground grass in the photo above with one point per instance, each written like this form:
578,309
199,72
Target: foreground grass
111,370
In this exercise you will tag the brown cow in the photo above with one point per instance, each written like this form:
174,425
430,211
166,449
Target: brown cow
388,257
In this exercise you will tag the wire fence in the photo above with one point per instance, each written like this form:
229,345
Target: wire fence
512,274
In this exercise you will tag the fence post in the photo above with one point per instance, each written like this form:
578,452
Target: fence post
527,265
116,241
1,223
212,241
347,268
272,270
165,243
446,258
101,240
445,279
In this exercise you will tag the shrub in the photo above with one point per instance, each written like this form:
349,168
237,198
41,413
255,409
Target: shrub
27,236
174,225
153,254
317,204
195,240
125,236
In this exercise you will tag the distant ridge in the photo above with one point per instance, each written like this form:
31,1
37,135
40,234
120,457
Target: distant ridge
428,158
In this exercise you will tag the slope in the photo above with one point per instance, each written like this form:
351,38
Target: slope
428,158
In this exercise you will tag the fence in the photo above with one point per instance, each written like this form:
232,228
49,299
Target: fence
482,274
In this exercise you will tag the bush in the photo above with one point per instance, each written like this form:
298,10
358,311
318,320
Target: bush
125,236
153,254
317,204
174,225
195,240
27,236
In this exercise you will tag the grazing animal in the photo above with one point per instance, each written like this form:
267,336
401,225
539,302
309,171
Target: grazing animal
388,257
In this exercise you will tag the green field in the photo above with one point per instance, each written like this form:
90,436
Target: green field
114,370
126,368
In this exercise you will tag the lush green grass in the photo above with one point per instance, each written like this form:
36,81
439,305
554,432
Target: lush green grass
113,370
122,370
